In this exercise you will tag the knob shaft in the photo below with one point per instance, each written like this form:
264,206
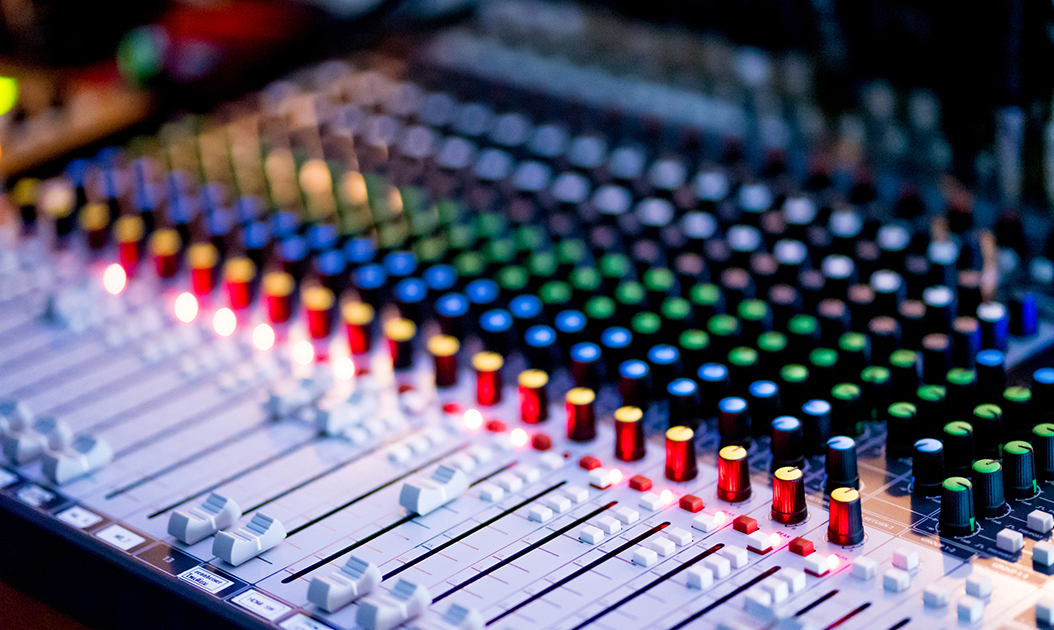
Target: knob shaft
957,507
846,525
733,474
788,496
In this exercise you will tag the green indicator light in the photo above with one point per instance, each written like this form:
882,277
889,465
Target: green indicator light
987,466
1043,430
987,411
1017,394
676,309
903,358
585,279
571,252
646,323
614,266
802,325
629,293
555,292
875,374
658,279
960,377
902,410
513,278
743,356
958,428
753,310
931,393
705,294
823,357
695,339
470,264
772,341
542,264
1017,447
600,307
852,342
845,391
723,325
794,373
957,484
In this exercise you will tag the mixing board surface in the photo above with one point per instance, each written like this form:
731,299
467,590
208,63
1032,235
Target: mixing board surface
481,337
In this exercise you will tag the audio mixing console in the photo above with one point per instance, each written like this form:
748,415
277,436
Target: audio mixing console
481,338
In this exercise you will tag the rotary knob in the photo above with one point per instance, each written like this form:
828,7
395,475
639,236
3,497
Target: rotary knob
846,525
1019,470
788,496
957,511
733,474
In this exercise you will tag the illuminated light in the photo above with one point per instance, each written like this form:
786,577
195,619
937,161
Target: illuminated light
114,279
8,94
720,518
344,368
519,438
615,475
832,562
774,540
667,497
473,420
263,337
186,308
303,352
224,322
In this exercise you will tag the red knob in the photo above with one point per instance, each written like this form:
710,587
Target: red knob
680,454
581,423
534,401
629,434
788,496
733,474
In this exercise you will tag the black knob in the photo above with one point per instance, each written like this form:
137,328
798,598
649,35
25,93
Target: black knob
960,392
987,424
958,448
764,402
928,467
1018,417
816,425
733,422
1019,470
931,402
1043,447
840,464
684,403
957,511
846,409
787,443
901,430
988,487
904,372
991,375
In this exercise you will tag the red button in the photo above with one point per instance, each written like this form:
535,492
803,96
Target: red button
745,524
640,483
589,462
541,442
801,546
496,426
691,503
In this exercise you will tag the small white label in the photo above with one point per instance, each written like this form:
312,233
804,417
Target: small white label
120,537
303,622
205,580
79,517
34,495
7,478
262,605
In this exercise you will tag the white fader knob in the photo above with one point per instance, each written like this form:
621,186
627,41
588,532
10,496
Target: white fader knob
198,523
385,611
348,583
86,455
259,535
463,618
426,495
23,443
